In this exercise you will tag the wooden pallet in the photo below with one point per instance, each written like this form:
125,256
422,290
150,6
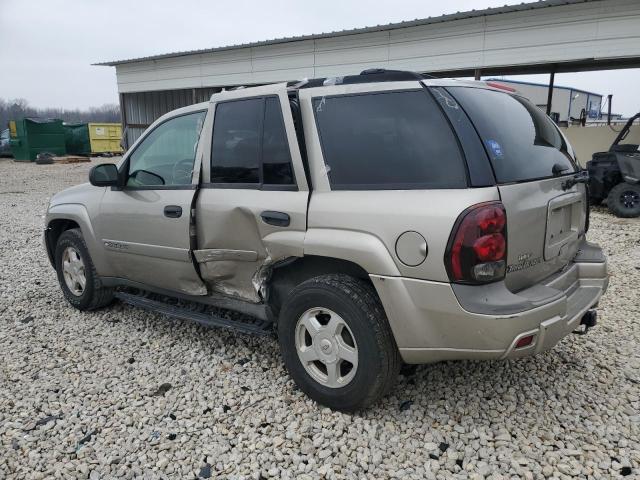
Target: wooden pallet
71,159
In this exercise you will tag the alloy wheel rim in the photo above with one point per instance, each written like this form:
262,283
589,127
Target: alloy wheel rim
73,271
326,347
629,199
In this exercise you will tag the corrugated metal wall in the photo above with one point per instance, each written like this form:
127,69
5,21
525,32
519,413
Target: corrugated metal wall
576,36
141,109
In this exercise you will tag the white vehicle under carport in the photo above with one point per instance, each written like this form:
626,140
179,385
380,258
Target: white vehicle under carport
369,220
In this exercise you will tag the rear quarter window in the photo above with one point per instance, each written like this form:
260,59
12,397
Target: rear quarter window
388,140
521,141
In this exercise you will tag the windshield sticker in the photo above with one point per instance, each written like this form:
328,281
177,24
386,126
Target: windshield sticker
320,105
495,148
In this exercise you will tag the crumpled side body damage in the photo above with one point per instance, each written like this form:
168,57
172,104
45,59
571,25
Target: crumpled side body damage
236,247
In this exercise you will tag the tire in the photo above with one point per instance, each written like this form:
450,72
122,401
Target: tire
93,295
624,200
356,304
44,158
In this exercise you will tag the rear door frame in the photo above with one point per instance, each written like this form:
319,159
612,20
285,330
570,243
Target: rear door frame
236,263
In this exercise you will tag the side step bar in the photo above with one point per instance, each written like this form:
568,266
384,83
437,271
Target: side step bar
257,327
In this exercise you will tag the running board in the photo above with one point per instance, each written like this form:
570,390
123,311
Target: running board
255,327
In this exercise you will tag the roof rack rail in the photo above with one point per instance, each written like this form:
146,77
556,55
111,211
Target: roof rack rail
384,71
366,76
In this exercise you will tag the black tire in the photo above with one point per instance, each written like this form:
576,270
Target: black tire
359,306
44,158
94,294
624,200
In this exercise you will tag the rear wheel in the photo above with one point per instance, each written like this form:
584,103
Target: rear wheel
624,200
336,342
77,275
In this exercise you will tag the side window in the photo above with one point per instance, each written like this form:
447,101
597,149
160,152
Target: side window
166,156
389,140
235,152
250,144
276,158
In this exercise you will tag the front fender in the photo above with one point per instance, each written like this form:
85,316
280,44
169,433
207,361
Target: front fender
78,213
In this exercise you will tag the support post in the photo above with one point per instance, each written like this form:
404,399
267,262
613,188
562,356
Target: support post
124,140
477,73
550,93
609,100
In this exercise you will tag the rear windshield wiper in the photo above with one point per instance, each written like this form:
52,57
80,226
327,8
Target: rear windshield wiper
580,177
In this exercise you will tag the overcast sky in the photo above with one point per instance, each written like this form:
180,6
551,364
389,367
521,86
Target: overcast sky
47,46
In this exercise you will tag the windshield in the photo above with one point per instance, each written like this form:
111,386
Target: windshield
521,141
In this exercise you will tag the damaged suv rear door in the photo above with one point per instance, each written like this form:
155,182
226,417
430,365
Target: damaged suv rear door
251,209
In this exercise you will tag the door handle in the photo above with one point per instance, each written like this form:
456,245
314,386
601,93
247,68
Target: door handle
278,219
173,211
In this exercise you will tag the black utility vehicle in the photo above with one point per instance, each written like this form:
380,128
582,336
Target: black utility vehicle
615,175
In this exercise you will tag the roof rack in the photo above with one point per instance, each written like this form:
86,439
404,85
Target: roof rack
366,76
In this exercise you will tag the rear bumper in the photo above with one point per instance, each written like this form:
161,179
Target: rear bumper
434,321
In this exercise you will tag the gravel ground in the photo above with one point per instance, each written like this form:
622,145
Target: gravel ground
126,393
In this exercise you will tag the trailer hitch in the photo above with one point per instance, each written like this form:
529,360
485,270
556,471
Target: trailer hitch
589,320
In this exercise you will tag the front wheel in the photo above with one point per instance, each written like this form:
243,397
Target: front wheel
624,200
76,274
336,342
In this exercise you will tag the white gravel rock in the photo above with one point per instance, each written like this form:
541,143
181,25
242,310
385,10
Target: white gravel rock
79,391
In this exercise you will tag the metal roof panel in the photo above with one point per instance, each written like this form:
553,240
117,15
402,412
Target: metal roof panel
390,26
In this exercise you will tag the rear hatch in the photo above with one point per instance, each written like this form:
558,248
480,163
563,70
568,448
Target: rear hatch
532,162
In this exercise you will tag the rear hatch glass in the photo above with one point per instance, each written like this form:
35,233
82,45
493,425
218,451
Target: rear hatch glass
521,141
531,160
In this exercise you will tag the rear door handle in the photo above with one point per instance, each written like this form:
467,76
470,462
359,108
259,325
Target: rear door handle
173,211
278,219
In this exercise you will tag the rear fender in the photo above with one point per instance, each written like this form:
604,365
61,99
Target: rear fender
363,249
629,163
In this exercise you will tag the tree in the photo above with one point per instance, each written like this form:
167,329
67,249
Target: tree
17,109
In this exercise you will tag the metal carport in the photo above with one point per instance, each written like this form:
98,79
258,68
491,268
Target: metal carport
548,36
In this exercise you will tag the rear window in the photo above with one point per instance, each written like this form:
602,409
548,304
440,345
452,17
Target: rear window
521,141
388,140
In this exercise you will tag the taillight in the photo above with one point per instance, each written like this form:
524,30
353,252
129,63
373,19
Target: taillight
477,249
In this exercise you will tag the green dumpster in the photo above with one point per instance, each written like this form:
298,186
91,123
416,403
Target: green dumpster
76,138
31,136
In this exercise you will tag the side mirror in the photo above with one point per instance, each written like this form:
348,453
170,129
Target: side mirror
104,175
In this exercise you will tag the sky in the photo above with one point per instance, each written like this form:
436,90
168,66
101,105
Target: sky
47,46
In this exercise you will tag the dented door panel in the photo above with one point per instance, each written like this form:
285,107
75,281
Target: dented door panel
236,248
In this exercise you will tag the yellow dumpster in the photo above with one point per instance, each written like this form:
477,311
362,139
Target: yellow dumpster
105,137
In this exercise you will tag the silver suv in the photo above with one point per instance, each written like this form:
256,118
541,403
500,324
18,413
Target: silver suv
369,220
